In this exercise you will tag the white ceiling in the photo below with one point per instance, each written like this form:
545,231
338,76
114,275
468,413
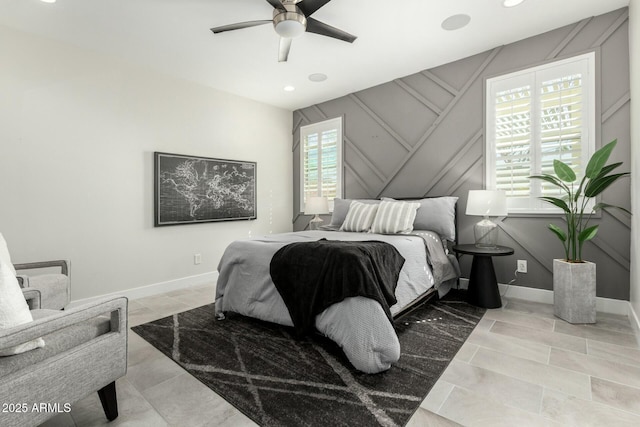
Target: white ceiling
395,38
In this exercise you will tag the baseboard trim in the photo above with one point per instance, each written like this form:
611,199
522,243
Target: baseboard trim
633,317
156,288
604,305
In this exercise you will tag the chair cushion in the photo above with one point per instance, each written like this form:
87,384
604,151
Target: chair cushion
57,342
14,310
54,290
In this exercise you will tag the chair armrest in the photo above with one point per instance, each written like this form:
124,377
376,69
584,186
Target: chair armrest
33,298
116,307
63,264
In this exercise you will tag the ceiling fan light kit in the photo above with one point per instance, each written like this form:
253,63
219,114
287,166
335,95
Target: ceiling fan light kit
292,18
289,24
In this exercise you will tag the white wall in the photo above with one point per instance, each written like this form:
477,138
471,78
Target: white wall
634,61
77,135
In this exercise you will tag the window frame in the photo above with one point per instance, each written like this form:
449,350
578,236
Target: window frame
319,127
537,74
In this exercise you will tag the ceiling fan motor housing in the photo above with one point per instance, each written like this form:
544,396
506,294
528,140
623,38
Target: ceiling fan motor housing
291,22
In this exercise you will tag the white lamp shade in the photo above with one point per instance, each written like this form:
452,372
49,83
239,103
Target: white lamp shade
316,205
487,203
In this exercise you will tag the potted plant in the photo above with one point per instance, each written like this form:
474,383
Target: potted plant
574,280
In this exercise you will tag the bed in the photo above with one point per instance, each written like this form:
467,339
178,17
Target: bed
357,324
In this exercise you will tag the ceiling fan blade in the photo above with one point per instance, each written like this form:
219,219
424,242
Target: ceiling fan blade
276,4
239,26
317,27
285,46
310,6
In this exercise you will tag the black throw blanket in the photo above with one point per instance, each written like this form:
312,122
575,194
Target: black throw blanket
311,276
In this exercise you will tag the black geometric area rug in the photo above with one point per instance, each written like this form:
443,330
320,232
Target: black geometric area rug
277,380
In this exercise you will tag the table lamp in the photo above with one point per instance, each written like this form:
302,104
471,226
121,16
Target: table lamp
486,203
316,206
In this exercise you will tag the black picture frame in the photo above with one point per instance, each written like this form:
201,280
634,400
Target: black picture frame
195,189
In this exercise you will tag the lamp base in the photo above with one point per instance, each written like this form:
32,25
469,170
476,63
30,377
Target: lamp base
486,233
315,223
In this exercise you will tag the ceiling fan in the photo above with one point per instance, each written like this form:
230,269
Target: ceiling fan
291,18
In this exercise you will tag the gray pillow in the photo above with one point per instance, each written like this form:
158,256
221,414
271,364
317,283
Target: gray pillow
437,214
341,207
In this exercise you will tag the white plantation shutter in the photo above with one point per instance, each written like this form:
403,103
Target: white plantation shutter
533,117
321,160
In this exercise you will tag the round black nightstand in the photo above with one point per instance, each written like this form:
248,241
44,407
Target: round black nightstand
483,286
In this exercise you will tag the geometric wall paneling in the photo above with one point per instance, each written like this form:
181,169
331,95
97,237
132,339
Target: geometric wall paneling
423,135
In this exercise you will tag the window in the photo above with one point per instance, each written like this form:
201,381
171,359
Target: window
321,161
533,117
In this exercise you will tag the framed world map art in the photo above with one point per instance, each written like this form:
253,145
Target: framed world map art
192,189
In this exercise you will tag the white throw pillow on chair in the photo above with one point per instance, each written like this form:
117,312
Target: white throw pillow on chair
14,310
4,254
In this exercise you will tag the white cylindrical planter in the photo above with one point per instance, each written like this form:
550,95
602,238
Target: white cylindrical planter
574,291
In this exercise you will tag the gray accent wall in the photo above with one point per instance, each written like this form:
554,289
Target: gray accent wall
423,135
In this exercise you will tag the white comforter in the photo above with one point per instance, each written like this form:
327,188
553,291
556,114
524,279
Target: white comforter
359,325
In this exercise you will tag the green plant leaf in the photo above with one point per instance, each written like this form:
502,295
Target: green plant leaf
549,178
606,169
558,232
605,206
598,160
598,185
557,202
564,171
588,233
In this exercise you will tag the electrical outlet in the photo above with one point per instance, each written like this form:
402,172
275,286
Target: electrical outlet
197,259
522,266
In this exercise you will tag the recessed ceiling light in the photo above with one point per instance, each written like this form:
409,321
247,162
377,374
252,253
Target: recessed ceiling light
511,3
289,88
48,1
455,22
317,77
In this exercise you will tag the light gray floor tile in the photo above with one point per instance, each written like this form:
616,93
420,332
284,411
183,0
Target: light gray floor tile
437,395
558,378
512,346
522,319
163,304
616,395
572,411
537,309
537,336
60,420
521,394
472,409
133,409
466,352
601,368
185,401
424,417
597,334
613,322
237,419
629,356
143,315
151,372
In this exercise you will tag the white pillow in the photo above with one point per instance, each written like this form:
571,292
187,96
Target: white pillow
14,310
359,217
394,217
4,254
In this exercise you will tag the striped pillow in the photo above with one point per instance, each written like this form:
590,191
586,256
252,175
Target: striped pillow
394,217
359,217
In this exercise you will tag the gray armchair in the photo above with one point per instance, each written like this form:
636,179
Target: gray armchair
53,287
85,351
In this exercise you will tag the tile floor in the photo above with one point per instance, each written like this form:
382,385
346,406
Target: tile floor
520,366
